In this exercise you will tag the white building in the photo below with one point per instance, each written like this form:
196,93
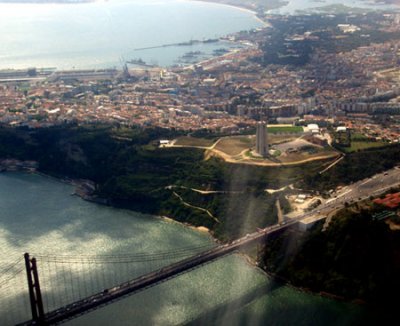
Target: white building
313,128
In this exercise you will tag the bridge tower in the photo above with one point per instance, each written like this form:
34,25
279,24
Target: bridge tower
35,296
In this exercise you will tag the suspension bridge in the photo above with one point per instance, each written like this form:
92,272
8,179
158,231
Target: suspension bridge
88,283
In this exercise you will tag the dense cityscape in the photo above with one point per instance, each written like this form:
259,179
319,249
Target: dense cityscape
356,88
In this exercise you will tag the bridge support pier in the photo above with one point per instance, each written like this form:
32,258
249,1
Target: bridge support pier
35,296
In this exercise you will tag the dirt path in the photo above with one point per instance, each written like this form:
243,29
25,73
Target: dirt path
196,207
229,159
241,159
333,164
204,192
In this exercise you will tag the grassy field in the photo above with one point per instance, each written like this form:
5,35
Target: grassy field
360,145
278,139
291,129
193,141
307,154
235,145
360,142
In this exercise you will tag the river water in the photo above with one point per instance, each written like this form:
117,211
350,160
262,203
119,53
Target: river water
39,215
107,33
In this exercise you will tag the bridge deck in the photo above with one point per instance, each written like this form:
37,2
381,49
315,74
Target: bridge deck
143,282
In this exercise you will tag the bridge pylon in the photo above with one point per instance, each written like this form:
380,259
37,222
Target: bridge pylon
35,296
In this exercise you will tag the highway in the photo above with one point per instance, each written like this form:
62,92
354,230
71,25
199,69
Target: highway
354,192
108,295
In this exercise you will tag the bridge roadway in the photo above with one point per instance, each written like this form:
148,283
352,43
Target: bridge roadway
80,307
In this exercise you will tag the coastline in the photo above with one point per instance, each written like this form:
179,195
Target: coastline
241,8
201,229
279,279
83,188
264,24
79,184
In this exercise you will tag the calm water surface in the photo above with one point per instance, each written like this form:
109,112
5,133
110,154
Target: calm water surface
38,215
105,34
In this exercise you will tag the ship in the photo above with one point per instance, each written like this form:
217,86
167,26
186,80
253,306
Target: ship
139,62
191,54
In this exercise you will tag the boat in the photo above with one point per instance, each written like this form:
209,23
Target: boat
191,54
140,62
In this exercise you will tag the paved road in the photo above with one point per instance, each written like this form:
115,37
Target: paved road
357,191
354,192
109,295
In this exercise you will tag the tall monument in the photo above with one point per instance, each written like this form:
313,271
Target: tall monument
262,139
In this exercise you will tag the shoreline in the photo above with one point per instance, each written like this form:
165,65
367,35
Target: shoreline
246,258
264,24
241,8
201,229
77,183
84,189
279,279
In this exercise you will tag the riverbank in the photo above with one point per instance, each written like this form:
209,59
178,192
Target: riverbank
13,165
206,22
202,229
84,188
243,7
286,282
252,261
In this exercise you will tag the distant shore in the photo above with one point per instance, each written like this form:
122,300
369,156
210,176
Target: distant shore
243,8
262,23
